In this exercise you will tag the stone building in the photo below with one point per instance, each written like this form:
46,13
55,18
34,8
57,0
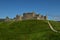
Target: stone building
30,16
17,18
27,16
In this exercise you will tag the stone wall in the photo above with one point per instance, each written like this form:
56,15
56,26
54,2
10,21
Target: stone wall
28,16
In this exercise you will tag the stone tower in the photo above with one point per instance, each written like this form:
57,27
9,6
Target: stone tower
18,18
27,16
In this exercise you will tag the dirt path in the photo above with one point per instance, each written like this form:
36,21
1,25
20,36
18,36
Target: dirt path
52,27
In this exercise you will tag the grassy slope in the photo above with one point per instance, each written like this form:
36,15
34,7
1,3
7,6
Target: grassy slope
27,30
56,25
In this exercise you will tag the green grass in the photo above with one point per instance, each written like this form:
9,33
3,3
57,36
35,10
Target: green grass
56,25
27,30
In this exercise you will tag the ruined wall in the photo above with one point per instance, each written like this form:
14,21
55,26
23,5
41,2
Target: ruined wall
18,18
28,16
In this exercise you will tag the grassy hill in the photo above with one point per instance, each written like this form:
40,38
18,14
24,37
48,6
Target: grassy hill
56,25
27,30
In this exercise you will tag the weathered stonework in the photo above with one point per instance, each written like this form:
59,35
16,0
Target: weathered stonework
30,16
18,18
27,16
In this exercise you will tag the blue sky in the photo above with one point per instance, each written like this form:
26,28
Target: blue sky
12,7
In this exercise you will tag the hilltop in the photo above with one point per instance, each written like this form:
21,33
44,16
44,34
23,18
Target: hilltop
28,30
